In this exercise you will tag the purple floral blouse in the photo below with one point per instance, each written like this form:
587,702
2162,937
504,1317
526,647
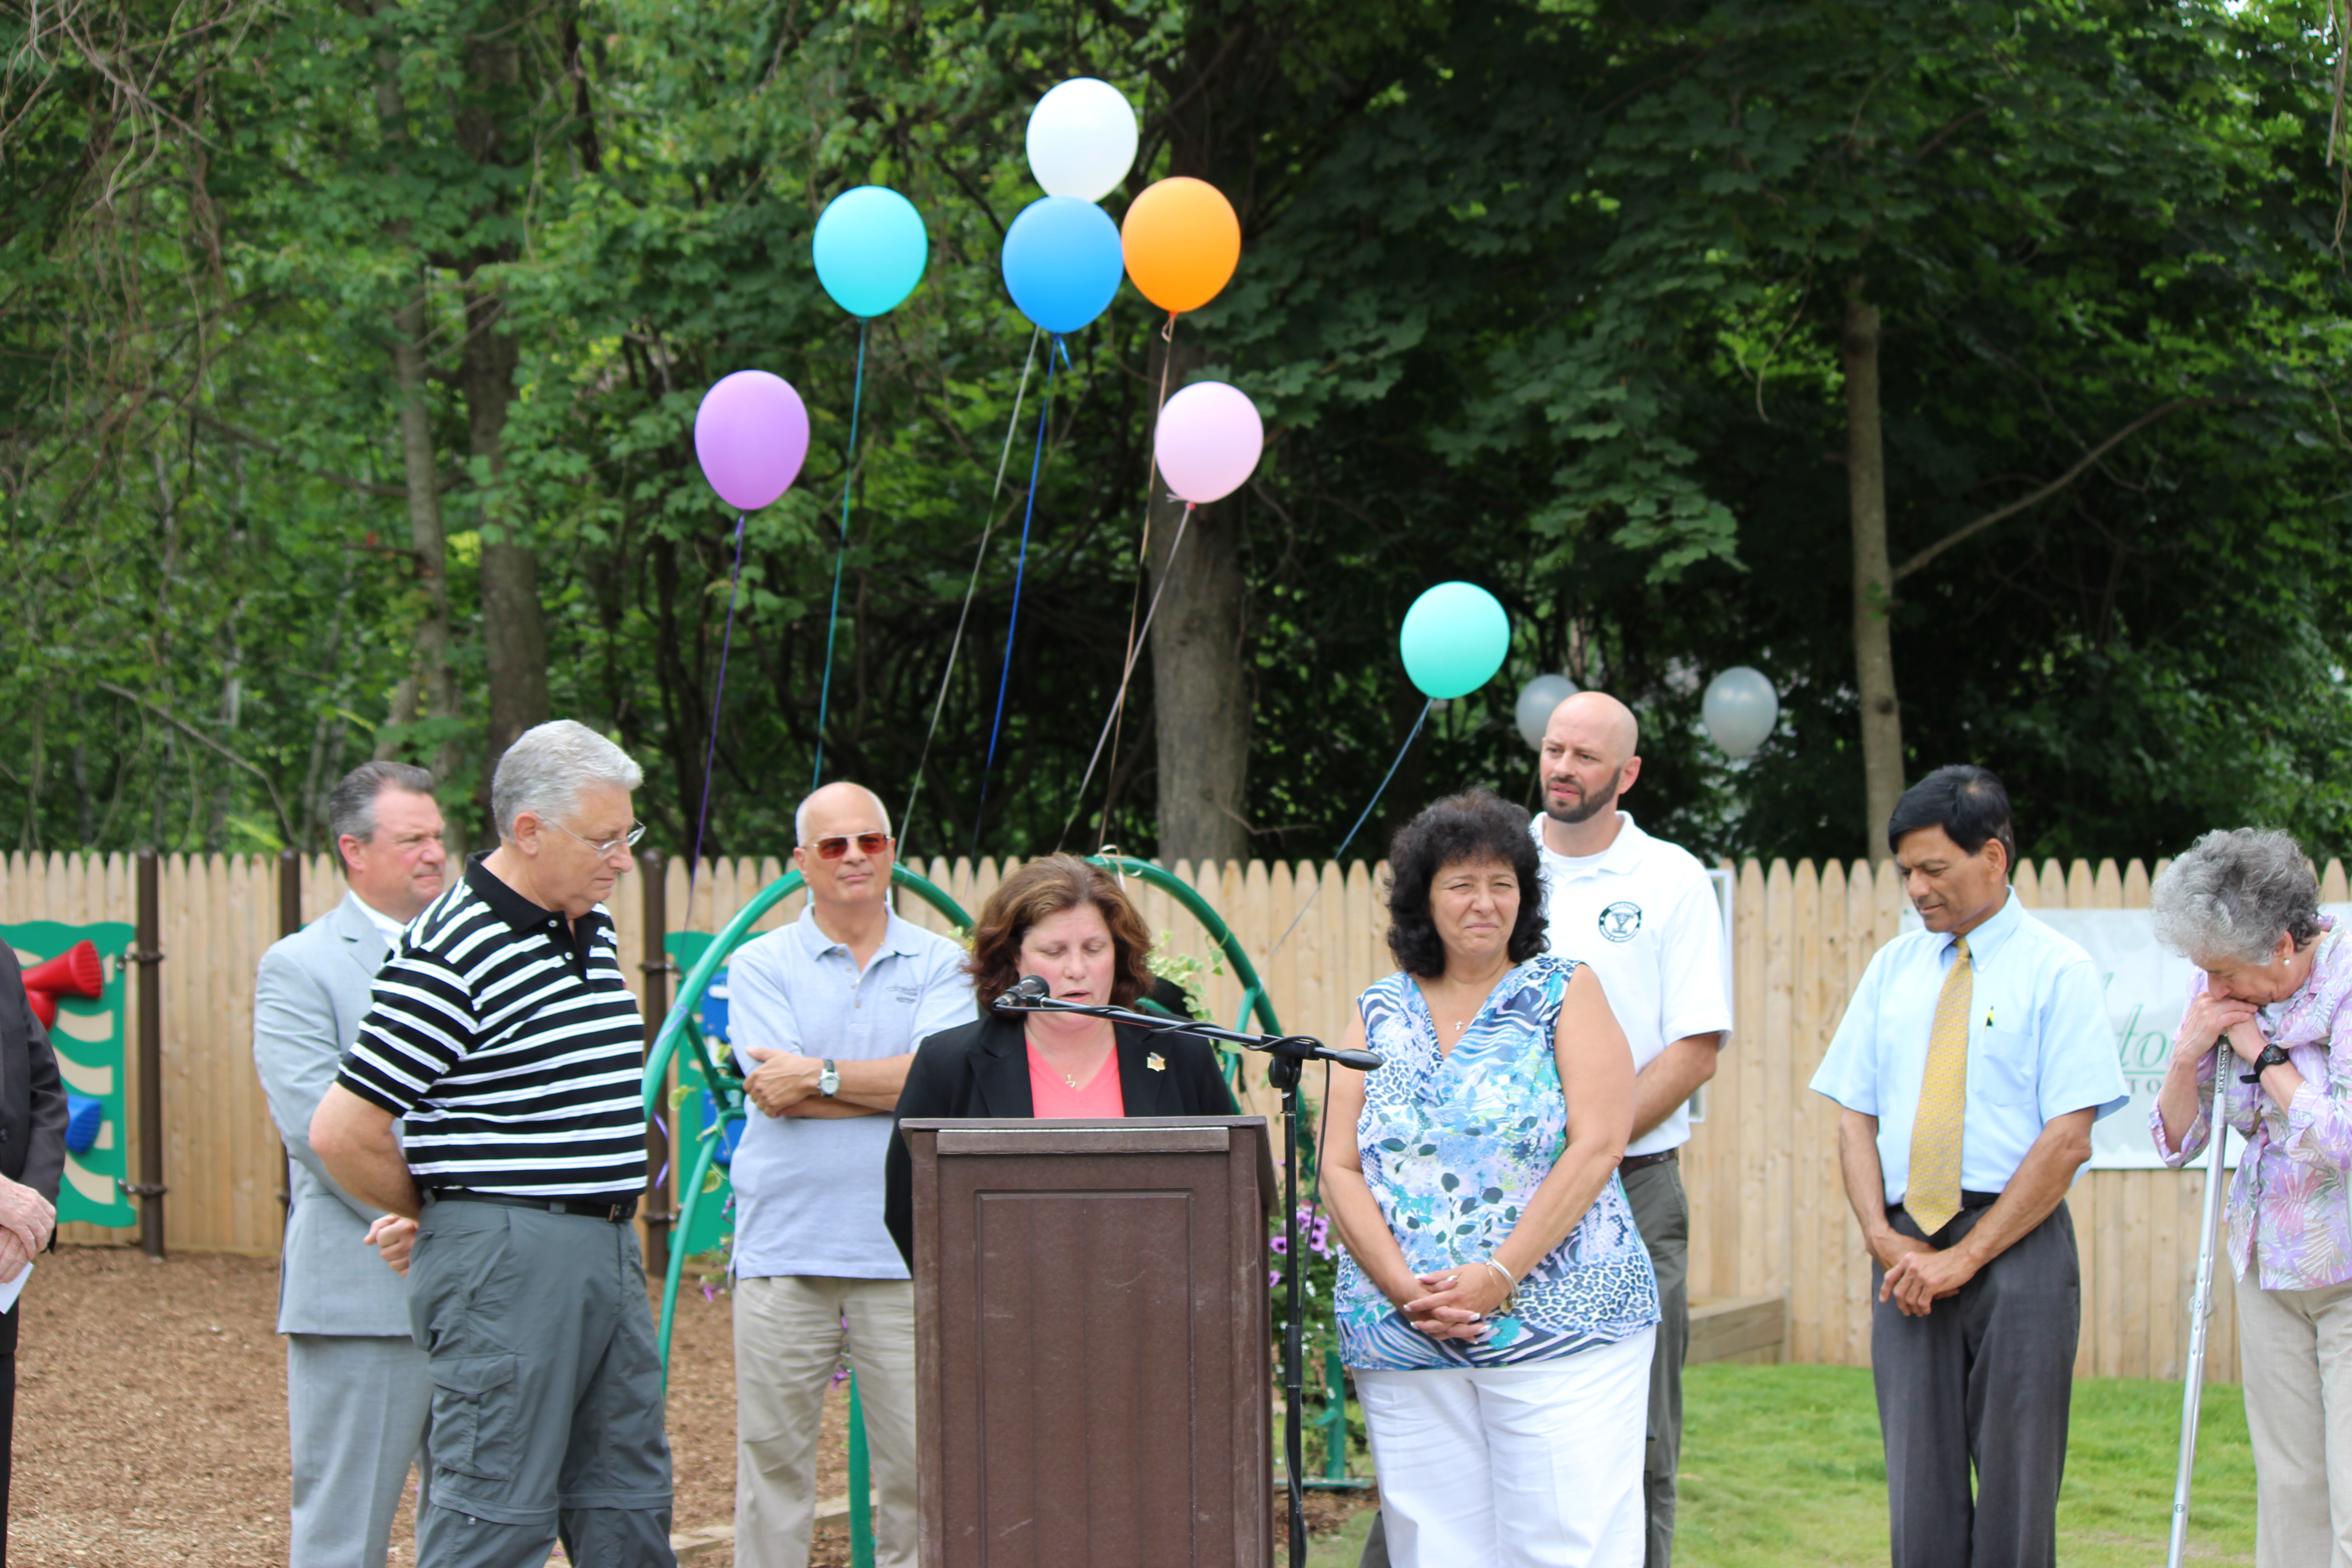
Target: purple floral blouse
2291,1193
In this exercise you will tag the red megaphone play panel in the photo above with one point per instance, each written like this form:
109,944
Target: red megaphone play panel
76,972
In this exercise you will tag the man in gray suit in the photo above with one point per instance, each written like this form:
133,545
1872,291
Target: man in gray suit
356,1390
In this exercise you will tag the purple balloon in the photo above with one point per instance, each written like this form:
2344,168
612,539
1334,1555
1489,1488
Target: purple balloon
752,434
1209,441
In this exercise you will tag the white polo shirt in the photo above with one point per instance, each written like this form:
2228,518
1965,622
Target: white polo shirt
1643,914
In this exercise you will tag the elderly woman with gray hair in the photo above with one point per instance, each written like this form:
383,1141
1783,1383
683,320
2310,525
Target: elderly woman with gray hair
2275,988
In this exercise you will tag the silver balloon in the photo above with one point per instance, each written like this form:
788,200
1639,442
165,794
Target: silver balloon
1740,709
1538,697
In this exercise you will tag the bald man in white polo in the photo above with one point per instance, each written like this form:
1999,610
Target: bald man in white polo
1642,912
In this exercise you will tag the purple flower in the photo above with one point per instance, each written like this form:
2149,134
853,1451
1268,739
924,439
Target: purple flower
1273,1278
709,1291
1278,1244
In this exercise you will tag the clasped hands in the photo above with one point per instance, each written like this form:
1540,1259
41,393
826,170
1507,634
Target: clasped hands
1917,1275
2210,1016
1456,1302
27,1218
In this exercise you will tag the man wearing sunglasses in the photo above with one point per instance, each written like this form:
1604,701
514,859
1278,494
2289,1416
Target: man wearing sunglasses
823,1017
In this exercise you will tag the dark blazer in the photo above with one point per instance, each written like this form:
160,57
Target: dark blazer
982,1070
31,1096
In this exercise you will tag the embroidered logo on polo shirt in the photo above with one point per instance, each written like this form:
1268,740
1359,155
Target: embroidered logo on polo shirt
1620,920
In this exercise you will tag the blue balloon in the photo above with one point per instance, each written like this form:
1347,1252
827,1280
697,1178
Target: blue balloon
870,249
1063,262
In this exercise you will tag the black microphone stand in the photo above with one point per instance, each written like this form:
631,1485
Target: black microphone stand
1291,1053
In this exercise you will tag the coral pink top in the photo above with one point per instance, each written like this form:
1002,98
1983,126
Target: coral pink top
1052,1098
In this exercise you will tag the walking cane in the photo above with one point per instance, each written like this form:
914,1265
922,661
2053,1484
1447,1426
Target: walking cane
2199,1316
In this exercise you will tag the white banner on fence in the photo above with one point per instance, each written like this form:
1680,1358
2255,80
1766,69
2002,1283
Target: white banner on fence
2146,989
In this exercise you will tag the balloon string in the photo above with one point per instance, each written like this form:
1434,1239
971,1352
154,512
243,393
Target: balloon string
1118,703
1340,853
840,550
1117,722
988,524
1020,569
710,750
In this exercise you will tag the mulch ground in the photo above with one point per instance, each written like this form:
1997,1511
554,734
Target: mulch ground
151,1420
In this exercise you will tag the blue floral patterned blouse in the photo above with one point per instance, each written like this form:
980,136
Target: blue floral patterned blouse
1453,1146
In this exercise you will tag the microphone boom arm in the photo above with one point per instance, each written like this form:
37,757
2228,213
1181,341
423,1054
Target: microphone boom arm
1293,1049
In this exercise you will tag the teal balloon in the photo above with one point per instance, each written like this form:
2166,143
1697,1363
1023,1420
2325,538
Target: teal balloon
1453,639
870,250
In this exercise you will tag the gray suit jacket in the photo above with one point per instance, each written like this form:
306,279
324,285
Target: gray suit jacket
308,1000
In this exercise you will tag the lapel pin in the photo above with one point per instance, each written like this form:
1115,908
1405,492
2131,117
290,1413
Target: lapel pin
1156,1062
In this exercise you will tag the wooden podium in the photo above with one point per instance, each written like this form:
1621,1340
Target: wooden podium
1092,1347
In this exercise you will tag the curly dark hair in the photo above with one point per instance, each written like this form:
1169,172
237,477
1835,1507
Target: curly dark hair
1044,888
1476,825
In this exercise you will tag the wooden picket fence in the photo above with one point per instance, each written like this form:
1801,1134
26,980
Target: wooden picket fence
1769,1210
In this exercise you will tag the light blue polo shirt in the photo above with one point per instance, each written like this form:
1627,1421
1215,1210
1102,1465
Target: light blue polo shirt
2040,1044
808,1192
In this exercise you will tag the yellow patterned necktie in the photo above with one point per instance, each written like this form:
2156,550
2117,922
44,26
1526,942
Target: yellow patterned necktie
1934,1194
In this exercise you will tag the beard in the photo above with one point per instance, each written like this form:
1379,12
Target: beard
1588,808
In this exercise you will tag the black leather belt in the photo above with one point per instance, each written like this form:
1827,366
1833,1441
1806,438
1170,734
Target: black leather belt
1632,1162
585,1208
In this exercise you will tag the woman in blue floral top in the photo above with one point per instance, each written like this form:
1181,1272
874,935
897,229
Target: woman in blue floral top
1494,1301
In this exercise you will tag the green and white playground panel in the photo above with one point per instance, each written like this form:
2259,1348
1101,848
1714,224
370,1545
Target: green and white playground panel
90,1035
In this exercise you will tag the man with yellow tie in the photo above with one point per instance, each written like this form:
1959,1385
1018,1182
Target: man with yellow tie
1971,1063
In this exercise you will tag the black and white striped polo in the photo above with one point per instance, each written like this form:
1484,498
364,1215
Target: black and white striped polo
505,1039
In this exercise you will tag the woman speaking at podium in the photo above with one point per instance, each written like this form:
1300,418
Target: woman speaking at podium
1496,1303
1068,922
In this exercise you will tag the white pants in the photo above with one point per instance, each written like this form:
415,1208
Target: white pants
1522,1467
788,1335
2295,1350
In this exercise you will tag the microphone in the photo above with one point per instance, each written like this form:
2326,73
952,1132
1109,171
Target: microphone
1363,1061
1032,989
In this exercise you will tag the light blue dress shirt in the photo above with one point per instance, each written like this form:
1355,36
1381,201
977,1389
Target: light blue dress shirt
808,1191
2040,1044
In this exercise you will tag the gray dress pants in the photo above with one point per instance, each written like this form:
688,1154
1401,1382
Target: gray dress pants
547,1391
1662,1213
355,1409
1987,1378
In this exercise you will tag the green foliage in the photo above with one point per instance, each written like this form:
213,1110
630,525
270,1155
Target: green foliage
1547,297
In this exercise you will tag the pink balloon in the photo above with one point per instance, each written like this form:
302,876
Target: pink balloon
752,434
1209,441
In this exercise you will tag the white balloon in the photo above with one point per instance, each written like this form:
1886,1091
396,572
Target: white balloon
1081,139
1740,709
1538,697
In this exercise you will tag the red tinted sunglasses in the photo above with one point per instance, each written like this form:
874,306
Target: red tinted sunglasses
836,847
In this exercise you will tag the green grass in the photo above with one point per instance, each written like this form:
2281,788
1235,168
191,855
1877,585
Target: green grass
1781,1466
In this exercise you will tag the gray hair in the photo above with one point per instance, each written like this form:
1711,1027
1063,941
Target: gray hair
350,804
800,812
2234,893
547,766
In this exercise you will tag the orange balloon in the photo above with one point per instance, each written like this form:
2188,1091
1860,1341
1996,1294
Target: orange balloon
1181,241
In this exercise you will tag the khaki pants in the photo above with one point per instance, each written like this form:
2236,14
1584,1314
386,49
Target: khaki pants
2295,1353
788,1336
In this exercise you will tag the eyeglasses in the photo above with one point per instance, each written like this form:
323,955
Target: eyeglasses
605,850
833,848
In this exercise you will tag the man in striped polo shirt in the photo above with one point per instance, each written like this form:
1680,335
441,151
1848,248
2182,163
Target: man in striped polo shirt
503,1039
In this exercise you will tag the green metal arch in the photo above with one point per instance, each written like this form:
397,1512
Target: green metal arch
682,1024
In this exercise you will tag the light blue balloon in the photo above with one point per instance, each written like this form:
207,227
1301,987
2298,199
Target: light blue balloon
1453,639
870,249
1063,262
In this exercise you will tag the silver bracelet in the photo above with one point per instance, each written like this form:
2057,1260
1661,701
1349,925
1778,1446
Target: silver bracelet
1510,1288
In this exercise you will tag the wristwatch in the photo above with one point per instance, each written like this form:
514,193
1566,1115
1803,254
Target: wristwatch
2273,1056
828,1079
